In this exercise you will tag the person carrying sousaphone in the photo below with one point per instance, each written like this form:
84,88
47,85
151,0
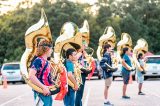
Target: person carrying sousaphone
71,57
106,65
126,70
40,73
140,74
85,70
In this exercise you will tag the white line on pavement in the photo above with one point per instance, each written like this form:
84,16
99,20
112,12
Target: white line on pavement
13,99
87,97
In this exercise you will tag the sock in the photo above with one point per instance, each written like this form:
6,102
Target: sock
105,100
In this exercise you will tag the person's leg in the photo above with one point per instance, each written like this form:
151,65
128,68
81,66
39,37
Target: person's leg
79,93
125,83
40,99
78,96
66,99
106,92
84,81
140,81
140,87
72,98
37,99
47,100
124,89
108,82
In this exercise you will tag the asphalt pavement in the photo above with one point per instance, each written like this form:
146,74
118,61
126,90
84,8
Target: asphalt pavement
21,94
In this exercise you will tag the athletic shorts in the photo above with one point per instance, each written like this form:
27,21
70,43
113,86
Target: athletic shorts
140,77
125,76
108,81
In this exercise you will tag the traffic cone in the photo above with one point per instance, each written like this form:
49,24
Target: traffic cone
4,82
130,79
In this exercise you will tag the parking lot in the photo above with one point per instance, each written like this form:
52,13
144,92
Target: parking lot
21,94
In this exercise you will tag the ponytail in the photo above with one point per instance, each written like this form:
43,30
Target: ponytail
139,56
107,46
124,51
104,52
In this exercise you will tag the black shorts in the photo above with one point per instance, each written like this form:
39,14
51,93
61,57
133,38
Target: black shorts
125,76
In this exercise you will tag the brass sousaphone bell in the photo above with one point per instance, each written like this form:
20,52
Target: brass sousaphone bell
36,32
108,37
70,37
125,41
89,51
141,47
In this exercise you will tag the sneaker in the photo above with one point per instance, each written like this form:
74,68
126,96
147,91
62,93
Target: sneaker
125,97
141,93
108,103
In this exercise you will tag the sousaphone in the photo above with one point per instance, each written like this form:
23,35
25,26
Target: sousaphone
70,37
33,35
108,37
141,47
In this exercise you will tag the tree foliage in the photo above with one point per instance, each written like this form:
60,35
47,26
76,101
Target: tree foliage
139,18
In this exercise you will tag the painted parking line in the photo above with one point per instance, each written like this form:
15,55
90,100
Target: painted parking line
11,100
87,97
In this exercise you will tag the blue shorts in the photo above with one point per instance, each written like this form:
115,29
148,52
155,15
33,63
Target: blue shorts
69,99
125,76
47,100
140,77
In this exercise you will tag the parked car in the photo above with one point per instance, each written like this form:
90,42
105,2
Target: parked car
118,72
152,66
12,72
98,70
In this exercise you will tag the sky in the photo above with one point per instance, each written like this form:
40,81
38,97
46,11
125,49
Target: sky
8,5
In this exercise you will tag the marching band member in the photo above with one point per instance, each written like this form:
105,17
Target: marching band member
71,55
126,70
40,73
84,72
106,73
140,74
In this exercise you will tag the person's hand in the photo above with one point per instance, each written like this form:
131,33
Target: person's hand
145,59
113,69
75,87
46,91
132,69
143,72
89,68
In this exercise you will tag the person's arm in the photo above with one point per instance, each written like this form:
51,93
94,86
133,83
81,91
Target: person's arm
103,62
124,64
34,80
142,65
70,70
72,79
